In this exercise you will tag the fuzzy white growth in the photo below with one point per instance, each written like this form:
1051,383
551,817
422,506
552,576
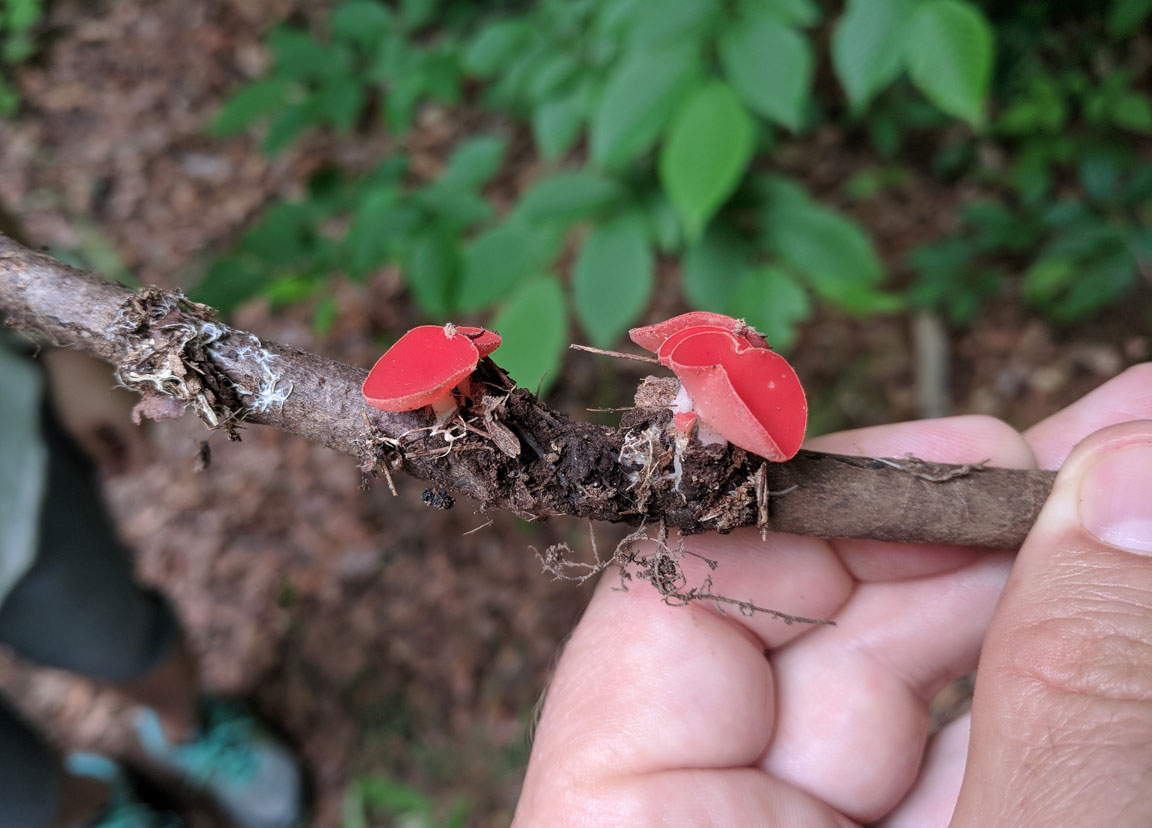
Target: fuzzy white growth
638,449
168,374
677,473
270,394
704,432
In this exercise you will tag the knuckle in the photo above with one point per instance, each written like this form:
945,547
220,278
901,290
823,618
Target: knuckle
1102,655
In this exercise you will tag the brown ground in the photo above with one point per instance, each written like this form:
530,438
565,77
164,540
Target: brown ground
385,639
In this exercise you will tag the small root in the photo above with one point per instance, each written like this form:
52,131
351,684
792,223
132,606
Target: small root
484,525
661,568
932,472
556,560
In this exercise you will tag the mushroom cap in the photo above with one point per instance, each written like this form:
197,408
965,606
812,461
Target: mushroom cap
750,395
486,341
684,420
424,365
651,337
669,344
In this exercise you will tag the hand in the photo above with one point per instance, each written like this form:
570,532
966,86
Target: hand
684,716
94,410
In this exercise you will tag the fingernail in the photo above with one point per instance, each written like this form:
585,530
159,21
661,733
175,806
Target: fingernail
1116,498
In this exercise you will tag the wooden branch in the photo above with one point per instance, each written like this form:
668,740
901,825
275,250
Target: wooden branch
506,449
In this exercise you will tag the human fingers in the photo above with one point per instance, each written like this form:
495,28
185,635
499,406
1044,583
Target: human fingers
963,439
915,623
658,710
933,799
1062,714
1122,399
852,701
606,717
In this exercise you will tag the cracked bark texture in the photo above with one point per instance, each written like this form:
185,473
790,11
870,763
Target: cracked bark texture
165,346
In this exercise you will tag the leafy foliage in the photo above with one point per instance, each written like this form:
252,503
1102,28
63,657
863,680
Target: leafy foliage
18,21
371,797
656,121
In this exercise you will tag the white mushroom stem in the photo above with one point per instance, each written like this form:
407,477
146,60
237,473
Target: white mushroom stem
704,432
444,407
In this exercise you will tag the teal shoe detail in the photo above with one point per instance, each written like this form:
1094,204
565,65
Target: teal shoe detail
123,809
250,775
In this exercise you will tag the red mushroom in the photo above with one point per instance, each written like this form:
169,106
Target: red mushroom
750,395
424,366
651,337
739,388
486,341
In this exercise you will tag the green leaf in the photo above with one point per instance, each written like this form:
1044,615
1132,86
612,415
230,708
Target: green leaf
568,197
283,236
324,315
639,99
284,129
558,70
612,278
440,74
771,66
1132,111
678,21
1047,279
433,271
495,46
794,12
229,282
662,221
499,259
9,98
23,14
290,289
949,52
773,302
343,97
831,251
556,123
249,104
1126,16
401,100
474,162
1101,171
418,13
534,328
453,205
714,267
379,223
393,796
867,47
361,21
704,157
299,55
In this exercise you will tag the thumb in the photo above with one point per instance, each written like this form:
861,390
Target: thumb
1062,713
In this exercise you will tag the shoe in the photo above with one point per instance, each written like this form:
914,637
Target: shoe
251,776
123,810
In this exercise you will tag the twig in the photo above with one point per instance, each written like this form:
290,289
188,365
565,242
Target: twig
573,468
617,354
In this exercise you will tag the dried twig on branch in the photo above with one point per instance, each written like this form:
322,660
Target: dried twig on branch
171,349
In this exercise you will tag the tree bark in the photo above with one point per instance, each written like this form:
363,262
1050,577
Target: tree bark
505,449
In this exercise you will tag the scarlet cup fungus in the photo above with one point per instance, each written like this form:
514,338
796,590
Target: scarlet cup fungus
651,337
425,365
746,392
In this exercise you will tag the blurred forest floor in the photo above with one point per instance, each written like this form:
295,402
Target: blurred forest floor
386,638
